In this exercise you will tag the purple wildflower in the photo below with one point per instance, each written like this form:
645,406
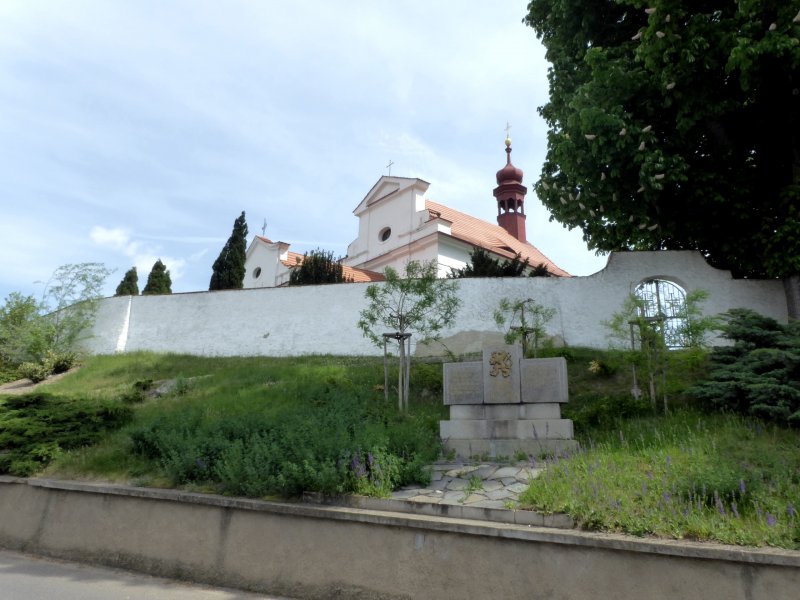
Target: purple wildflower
666,497
734,510
742,487
718,502
791,511
771,520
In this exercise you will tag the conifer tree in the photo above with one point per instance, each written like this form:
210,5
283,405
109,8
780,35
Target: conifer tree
228,269
158,281
129,286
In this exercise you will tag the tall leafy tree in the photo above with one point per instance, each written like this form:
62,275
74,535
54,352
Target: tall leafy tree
675,124
158,281
318,266
129,286
228,270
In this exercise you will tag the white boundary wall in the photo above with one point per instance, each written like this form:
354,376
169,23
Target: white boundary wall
322,319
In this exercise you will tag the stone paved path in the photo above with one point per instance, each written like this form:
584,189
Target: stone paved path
479,485
483,491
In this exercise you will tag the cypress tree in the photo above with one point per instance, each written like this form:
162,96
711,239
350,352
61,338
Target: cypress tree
129,286
158,281
228,269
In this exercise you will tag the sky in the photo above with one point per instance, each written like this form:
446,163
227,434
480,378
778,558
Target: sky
133,130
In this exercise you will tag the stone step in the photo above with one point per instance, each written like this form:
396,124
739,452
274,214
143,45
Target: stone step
513,429
505,411
509,448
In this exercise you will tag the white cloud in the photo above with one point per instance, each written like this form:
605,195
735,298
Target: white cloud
116,238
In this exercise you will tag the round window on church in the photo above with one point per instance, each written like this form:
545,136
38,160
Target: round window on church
385,234
256,272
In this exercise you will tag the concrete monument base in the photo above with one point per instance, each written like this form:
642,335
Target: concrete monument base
506,405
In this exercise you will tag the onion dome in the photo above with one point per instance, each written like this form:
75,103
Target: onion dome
509,173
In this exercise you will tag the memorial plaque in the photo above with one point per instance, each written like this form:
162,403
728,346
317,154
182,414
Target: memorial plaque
501,374
544,380
463,383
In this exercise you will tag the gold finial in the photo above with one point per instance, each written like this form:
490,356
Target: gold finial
508,138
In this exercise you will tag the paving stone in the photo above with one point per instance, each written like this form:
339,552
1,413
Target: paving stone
508,480
517,488
461,471
485,471
504,472
473,498
501,494
524,475
451,497
440,485
436,475
490,486
457,484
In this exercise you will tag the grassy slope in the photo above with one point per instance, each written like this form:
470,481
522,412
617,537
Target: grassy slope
640,474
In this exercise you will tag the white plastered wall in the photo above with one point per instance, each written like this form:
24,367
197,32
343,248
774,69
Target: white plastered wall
322,319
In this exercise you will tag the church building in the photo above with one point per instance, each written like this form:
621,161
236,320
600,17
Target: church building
398,224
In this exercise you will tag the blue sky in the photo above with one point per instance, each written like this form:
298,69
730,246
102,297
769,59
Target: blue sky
132,130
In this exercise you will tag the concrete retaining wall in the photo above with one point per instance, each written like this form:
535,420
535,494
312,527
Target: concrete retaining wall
322,319
323,552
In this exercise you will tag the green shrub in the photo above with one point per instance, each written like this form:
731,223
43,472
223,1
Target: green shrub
760,374
337,439
36,372
60,362
36,427
592,410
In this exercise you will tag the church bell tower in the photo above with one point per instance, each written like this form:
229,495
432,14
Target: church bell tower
510,195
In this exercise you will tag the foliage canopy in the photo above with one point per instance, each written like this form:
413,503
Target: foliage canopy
318,266
418,302
482,264
675,124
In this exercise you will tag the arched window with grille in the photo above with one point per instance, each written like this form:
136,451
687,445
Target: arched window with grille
664,305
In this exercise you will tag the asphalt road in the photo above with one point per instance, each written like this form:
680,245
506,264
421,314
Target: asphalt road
26,577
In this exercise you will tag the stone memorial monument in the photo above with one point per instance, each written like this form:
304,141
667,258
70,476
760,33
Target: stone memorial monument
506,405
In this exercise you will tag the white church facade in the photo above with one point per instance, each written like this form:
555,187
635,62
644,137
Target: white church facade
398,224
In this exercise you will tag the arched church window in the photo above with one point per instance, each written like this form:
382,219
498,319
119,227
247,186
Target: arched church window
384,234
256,272
664,305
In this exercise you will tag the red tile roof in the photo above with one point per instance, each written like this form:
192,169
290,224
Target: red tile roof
490,237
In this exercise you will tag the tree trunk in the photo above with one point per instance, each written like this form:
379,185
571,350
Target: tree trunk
791,285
